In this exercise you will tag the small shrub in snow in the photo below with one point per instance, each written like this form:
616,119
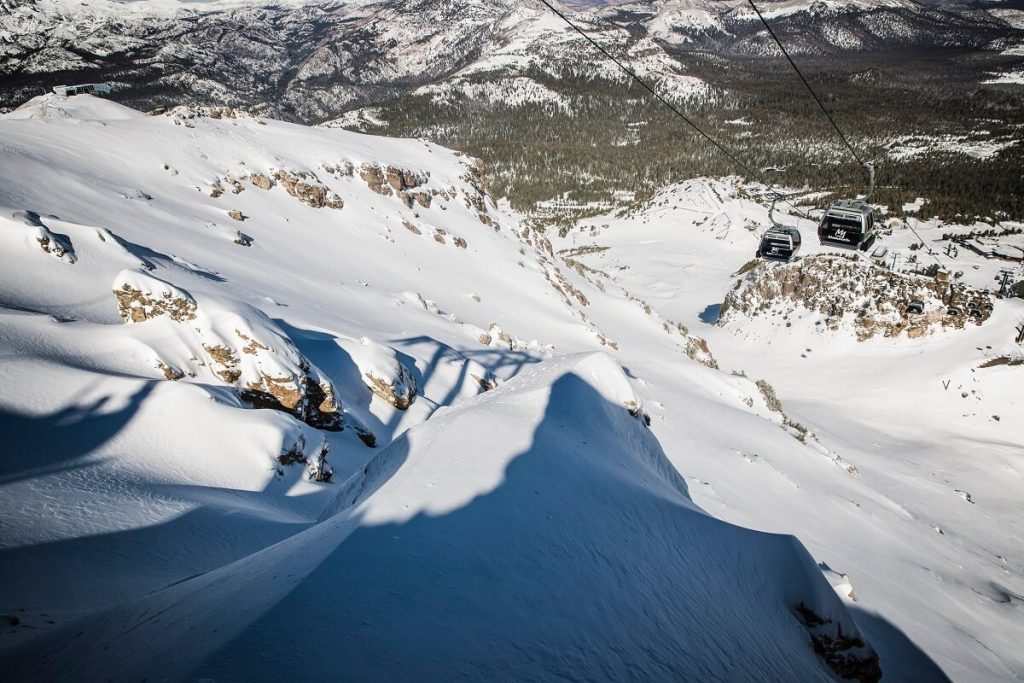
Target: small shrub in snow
771,400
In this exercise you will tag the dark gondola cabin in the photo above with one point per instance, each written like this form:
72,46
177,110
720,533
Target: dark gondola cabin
779,243
82,89
849,223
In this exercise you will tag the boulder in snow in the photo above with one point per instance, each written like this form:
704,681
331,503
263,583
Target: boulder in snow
382,371
54,244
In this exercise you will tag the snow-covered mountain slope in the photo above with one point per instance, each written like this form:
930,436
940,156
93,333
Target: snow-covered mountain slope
493,476
243,320
312,61
537,531
238,361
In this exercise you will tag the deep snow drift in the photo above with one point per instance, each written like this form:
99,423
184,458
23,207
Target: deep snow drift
284,401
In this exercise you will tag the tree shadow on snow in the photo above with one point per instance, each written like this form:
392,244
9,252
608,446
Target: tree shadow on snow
496,362
323,350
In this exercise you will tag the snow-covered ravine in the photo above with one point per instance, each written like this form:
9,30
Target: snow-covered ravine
286,402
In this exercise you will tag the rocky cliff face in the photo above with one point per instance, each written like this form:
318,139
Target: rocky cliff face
847,292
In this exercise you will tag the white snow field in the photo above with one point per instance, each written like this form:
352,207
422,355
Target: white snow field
284,402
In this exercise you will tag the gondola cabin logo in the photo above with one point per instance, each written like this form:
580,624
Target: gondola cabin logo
840,234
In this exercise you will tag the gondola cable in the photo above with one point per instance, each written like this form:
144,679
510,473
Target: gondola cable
867,166
648,88
778,197
721,148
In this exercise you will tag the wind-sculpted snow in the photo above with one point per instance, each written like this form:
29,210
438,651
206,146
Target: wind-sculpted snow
536,530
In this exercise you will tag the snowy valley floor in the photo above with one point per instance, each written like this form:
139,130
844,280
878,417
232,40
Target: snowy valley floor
204,315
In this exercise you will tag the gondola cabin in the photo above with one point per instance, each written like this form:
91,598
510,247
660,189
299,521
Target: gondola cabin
779,243
849,223
82,89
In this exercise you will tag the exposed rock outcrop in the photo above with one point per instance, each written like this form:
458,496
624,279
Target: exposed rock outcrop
305,394
234,343
496,336
403,183
697,349
261,181
142,297
373,176
305,187
382,371
873,300
56,245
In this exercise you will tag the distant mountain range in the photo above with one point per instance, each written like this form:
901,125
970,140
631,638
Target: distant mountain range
311,61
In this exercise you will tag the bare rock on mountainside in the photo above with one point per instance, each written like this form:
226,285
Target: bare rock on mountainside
399,392
496,336
240,346
308,189
56,245
392,180
143,297
697,349
402,179
875,300
304,395
217,188
373,176
261,181
382,371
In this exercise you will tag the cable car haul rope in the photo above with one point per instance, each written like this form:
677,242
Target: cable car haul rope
848,223
689,122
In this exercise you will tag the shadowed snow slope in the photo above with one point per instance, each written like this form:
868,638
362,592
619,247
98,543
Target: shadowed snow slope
478,547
